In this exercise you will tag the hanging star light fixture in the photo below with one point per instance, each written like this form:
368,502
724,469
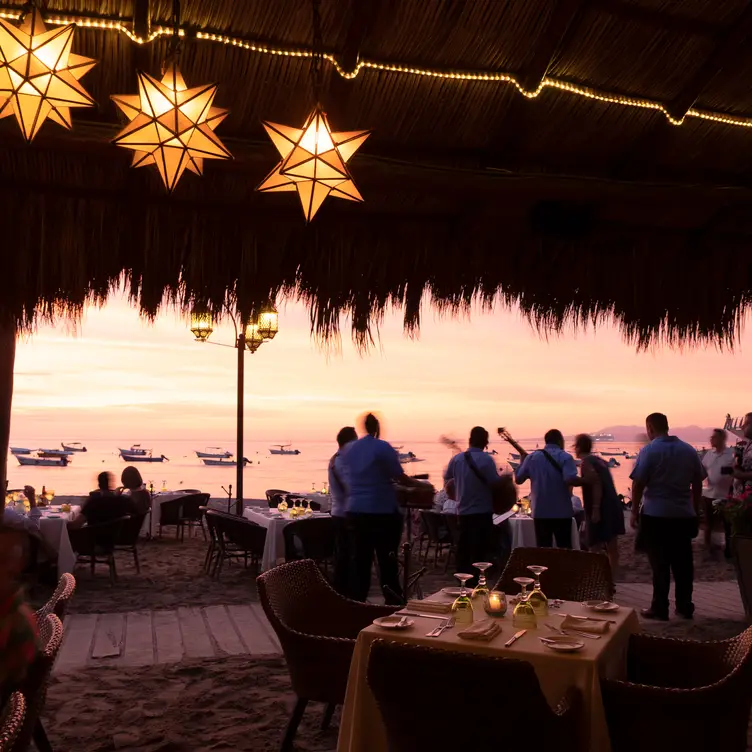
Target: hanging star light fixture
314,159
39,76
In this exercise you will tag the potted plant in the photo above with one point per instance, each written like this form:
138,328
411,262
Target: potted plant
737,510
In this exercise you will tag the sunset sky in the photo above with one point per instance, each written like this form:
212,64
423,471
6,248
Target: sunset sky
119,376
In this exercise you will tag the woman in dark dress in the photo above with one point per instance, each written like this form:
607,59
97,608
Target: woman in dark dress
603,510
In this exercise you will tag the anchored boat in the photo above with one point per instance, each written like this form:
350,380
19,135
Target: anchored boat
214,453
283,449
53,453
135,449
20,450
142,457
42,461
73,446
223,462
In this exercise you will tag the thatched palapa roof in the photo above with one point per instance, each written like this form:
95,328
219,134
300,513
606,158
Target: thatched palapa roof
578,157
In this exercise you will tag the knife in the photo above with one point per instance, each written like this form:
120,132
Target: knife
425,616
515,637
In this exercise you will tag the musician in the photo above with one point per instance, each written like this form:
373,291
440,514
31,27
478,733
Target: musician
474,476
373,514
338,490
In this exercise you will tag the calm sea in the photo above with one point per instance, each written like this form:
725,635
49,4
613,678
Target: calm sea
300,473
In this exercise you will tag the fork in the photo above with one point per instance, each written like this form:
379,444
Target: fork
573,632
448,624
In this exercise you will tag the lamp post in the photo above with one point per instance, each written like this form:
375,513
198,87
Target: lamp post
249,337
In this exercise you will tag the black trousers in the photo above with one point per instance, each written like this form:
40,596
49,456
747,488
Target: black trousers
375,534
546,529
342,557
668,544
476,542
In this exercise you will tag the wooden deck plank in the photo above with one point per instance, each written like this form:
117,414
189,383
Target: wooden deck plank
223,631
258,612
196,640
108,638
139,639
254,636
167,637
77,642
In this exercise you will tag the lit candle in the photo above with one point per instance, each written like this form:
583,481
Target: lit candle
496,604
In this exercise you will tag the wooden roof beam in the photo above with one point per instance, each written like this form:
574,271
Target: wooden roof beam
729,45
142,18
669,21
553,39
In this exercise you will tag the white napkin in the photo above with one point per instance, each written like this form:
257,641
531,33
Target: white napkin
482,630
585,625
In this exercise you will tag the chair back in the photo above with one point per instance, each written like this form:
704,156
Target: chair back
100,538
242,533
452,521
191,506
310,539
130,530
170,512
210,515
58,602
435,526
11,721
571,575
274,496
399,673
34,686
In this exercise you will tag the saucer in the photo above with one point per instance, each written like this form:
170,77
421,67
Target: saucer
393,622
562,643
601,606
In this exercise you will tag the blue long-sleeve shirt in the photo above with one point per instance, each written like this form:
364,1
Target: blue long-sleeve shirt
549,495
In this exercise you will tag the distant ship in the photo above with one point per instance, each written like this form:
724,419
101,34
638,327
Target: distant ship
603,437
283,449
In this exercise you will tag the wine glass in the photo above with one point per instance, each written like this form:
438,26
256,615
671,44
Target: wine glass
524,615
482,587
462,608
537,599
308,512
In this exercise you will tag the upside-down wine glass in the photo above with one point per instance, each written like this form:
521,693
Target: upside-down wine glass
524,615
537,599
462,608
482,587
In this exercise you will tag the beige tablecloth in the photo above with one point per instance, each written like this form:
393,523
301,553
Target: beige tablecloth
523,532
54,532
361,728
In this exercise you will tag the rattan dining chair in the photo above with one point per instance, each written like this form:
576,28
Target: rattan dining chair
571,575
500,695
274,496
95,544
11,721
681,694
127,539
58,602
317,628
311,539
237,539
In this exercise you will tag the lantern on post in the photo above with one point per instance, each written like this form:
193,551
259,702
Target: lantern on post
201,325
267,322
253,337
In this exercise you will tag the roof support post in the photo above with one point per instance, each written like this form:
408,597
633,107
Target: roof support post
7,361
142,18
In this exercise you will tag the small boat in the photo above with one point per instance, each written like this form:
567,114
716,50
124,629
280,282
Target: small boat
283,449
612,462
408,457
74,446
223,462
42,461
20,450
606,438
135,449
142,457
53,453
617,453
214,453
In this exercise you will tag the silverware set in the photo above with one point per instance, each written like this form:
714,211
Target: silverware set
569,632
438,631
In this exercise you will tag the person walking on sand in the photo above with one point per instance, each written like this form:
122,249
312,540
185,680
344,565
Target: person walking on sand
718,462
666,502
604,513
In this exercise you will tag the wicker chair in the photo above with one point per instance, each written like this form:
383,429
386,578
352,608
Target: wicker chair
398,674
212,551
317,629
58,602
236,539
95,544
169,515
274,496
127,539
311,539
571,575
681,694
11,721
34,686
191,514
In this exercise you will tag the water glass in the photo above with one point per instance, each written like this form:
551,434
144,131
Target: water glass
462,608
482,587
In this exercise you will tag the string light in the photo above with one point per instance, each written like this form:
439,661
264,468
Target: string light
493,77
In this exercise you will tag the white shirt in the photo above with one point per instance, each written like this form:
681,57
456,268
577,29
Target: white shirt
338,482
28,522
718,486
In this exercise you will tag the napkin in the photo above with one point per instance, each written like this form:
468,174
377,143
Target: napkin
429,607
482,630
585,625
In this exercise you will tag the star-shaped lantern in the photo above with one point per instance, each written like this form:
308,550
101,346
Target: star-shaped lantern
314,162
171,125
39,74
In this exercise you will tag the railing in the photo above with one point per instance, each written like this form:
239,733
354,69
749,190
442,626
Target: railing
734,425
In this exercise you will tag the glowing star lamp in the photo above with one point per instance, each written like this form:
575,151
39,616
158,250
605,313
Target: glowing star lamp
39,74
171,126
314,162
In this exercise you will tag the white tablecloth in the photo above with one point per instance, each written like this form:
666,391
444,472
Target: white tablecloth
325,500
54,533
151,523
523,532
274,547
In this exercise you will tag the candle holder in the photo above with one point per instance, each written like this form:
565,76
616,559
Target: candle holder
495,604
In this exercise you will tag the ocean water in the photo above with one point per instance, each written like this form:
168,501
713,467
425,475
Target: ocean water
299,473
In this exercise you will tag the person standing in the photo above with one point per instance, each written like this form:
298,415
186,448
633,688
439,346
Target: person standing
604,513
666,501
551,471
474,475
374,518
718,462
743,468
338,492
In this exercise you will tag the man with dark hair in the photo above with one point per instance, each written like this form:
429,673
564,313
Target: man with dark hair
474,475
667,482
551,471
718,462
338,492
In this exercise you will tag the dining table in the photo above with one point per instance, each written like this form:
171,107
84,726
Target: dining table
361,726
523,530
151,523
53,529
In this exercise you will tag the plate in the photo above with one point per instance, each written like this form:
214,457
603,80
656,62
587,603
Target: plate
454,591
601,606
562,643
393,622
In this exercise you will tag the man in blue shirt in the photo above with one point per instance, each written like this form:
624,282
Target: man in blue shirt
338,485
667,481
475,475
373,514
551,472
